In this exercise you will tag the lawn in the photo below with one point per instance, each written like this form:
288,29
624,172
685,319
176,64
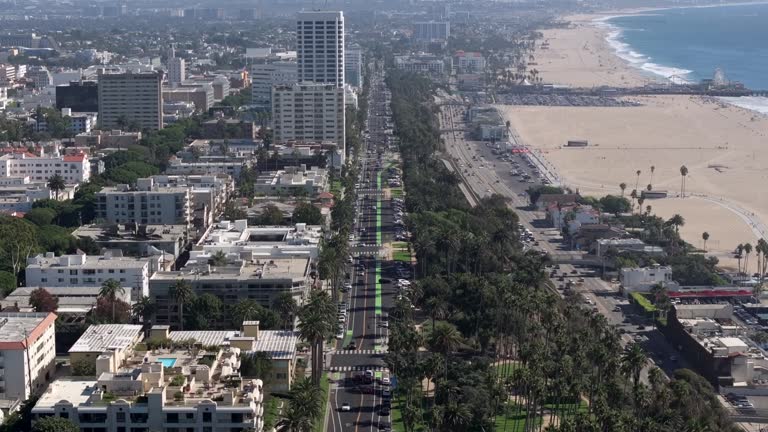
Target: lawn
505,370
513,421
644,302
336,187
396,192
320,420
396,417
401,255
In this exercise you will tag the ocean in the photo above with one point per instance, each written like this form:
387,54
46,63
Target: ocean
689,44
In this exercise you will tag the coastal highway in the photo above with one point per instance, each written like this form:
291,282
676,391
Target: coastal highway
486,174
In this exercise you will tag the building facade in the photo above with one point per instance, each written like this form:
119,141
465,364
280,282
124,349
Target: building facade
131,97
74,169
353,65
320,47
151,205
27,353
265,76
177,70
431,30
309,112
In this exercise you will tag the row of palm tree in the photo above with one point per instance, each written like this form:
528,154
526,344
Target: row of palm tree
305,405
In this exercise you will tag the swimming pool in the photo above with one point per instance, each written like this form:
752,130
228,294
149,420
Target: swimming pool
167,362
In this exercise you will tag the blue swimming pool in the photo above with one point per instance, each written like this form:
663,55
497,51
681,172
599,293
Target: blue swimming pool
167,362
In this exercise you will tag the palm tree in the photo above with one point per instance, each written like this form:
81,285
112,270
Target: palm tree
143,309
317,322
622,186
444,338
182,292
56,184
633,360
110,289
285,306
747,251
637,180
738,254
218,259
653,168
676,221
683,175
705,237
246,310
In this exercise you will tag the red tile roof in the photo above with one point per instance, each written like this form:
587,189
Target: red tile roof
75,158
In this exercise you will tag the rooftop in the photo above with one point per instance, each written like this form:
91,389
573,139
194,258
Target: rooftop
280,344
18,329
128,233
77,391
294,268
71,299
102,337
111,259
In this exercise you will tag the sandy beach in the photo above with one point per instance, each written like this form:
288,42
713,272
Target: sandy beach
722,146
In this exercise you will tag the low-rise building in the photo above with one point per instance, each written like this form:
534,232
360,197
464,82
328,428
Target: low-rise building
209,165
547,200
137,240
186,386
279,344
626,245
470,62
27,353
83,270
247,276
74,169
210,193
145,204
199,94
19,193
643,279
106,345
107,139
266,242
229,128
428,64
293,181
487,124
571,218
72,300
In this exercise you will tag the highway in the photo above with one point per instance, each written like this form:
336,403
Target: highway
364,342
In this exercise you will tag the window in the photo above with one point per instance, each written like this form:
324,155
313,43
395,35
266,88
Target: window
206,417
172,418
121,417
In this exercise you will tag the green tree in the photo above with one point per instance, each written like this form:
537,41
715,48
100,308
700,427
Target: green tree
285,306
683,175
218,259
83,368
182,293
705,237
143,309
308,214
18,241
7,283
110,290
57,184
40,216
54,424
317,321
271,215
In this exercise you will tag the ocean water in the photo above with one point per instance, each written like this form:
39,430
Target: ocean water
689,44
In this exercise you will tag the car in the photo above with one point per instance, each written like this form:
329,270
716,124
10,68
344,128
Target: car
384,411
340,335
345,407
385,381
351,346
384,324
641,327
386,394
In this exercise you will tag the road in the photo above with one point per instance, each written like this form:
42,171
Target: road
487,173
365,337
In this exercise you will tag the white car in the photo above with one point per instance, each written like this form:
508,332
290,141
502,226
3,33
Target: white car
385,381
345,407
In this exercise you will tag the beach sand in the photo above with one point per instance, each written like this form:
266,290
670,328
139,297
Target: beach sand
723,147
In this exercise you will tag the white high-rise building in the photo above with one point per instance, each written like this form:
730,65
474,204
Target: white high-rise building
176,71
353,66
320,47
131,97
431,30
308,112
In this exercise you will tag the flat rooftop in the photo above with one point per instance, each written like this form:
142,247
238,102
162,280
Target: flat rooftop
280,344
276,268
101,337
115,233
76,391
17,327
91,261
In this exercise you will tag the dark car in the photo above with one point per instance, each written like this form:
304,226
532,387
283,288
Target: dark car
352,346
384,411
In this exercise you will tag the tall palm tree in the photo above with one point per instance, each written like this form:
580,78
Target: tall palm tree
182,292
246,310
633,360
623,187
747,251
317,320
637,180
110,289
653,168
683,175
705,237
56,184
285,306
444,338
143,309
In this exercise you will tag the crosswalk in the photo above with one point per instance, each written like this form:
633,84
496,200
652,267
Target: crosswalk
365,351
358,368
368,245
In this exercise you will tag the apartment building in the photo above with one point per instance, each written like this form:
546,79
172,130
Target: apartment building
75,169
209,165
308,112
210,193
431,30
146,204
320,47
293,181
27,353
131,97
163,389
470,62
353,66
177,70
84,270
243,277
265,76
200,94
236,238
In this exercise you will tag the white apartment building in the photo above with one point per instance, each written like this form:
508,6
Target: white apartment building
86,271
236,237
320,47
19,193
75,169
644,278
210,193
131,97
27,353
423,63
353,65
7,72
265,76
146,205
309,112
292,180
177,71
432,30
209,165
470,62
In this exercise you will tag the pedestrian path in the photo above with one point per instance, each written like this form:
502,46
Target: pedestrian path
358,368
365,351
